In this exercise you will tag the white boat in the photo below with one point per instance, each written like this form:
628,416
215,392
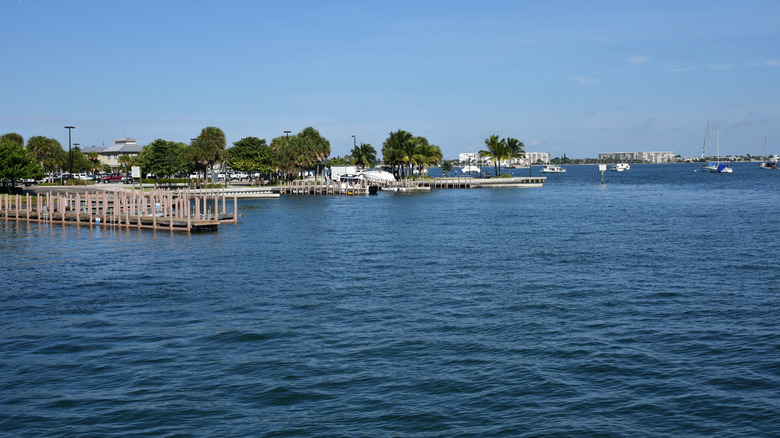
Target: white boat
378,176
470,168
551,168
620,167
716,167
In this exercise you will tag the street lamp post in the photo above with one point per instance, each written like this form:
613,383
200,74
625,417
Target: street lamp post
354,141
70,156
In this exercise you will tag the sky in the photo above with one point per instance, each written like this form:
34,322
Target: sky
566,77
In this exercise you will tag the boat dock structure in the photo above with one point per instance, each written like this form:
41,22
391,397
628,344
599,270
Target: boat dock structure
174,210
193,210
336,188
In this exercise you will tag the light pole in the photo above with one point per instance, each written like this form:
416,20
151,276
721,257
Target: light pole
70,156
75,145
354,141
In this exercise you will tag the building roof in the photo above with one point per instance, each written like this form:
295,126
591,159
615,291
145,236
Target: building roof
123,149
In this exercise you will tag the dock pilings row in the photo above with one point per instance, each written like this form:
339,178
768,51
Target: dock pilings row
175,210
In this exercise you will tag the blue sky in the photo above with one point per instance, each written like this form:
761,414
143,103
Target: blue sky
574,77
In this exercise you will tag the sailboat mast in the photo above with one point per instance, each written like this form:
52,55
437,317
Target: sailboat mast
718,146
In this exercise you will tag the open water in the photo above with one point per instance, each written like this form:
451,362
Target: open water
647,306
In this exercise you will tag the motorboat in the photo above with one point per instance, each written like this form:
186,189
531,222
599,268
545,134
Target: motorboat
357,185
620,167
768,165
551,168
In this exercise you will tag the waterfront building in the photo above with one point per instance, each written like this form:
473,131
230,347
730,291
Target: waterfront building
637,157
533,158
109,155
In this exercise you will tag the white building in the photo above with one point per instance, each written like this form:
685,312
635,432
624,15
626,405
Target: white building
637,157
476,158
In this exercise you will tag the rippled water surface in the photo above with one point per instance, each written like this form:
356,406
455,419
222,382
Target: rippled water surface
644,306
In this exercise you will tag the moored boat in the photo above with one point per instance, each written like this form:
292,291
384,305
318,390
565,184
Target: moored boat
620,167
551,168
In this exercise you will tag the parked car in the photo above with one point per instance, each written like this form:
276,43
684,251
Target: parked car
111,178
127,179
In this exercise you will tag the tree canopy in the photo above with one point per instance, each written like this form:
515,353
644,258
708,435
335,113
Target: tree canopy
16,163
505,149
13,138
250,154
207,149
403,152
164,158
364,155
48,152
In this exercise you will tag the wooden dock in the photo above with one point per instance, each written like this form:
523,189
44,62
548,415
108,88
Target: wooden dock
178,210
336,188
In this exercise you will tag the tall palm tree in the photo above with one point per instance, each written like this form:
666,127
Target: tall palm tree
495,150
514,149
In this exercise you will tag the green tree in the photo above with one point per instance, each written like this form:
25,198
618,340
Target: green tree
364,155
398,150
446,166
13,138
338,161
48,152
16,163
164,158
207,149
124,161
426,154
80,161
494,151
94,158
317,148
250,154
291,154
515,149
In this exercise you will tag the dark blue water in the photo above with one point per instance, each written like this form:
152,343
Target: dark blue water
645,306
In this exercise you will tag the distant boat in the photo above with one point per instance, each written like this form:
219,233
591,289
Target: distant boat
717,167
767,164
620,167
470,168
551,168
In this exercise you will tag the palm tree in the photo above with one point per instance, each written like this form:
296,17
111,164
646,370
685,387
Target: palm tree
495,151
395,150
94,158
426,154
320,146
364,155
124,161
514,149
207,149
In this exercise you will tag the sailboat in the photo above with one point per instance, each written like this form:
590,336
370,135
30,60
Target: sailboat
767,164
714,167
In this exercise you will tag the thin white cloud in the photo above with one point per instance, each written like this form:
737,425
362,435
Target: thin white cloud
773,63
720,67
674,69
638,59
583,80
